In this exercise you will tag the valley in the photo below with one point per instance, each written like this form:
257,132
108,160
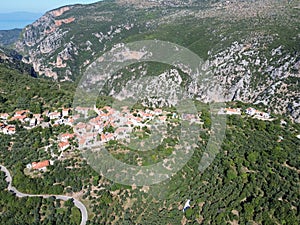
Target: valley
152,112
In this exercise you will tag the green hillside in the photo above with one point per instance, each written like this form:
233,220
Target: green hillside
254,178
21,91
251,50
251,47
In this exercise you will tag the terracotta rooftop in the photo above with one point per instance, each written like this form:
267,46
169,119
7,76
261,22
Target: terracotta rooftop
21,112
40,165
63,144
67,135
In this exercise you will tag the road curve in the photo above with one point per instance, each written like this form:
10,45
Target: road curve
77,203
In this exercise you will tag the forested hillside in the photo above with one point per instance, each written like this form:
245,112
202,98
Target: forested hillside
34,210
251,49
21,91
254,178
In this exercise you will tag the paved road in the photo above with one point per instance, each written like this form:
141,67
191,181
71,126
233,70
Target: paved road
78,204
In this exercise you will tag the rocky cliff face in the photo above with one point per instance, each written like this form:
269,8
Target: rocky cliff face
13,60
42,39
249,76
251,47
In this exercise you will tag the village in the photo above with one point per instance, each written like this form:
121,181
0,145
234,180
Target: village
249,111
101,125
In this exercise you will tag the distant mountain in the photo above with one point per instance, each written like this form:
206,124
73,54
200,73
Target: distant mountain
19,16
14,20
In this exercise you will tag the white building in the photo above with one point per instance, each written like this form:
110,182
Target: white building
4,116
65,112
54,115
32,122
257,113
250,111
10,129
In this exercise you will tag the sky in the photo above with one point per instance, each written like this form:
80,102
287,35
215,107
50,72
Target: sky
10,20
39,6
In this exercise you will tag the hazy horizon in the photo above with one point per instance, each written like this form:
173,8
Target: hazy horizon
17,14
43,6
20,19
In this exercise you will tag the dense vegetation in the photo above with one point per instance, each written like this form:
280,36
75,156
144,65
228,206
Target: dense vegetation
35,210
255,178
8,37
19,91
27,147
12,59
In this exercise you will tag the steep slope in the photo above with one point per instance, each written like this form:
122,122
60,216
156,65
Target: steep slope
22,91
13,60
9,37
252,47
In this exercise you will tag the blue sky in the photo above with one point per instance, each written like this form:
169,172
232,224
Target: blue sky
39,6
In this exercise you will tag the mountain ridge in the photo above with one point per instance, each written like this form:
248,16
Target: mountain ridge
252,47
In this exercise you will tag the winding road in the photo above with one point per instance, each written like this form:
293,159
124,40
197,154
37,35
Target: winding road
77,203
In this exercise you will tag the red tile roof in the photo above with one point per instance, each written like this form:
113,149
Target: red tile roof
104,137
22,112
230,110
37,115
40,165
11,128
18,118
67,136
63,144
82,141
